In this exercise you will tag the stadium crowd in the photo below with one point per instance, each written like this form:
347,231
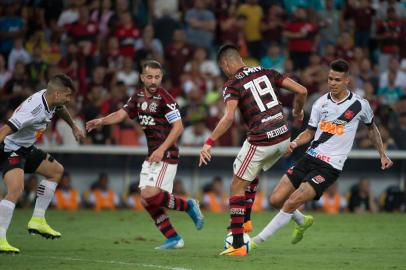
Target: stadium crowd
101,45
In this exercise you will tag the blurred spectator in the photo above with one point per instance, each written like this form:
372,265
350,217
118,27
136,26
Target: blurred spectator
165,26
400,76
27,200
112,59
16,88
215,199
398,129
47,137
252,30
332,202
101,16
133,197
231,27
345,48
393,199
69,15
5,74
272,26
329,24
200,25
11,27
301,34
66,197
195,134
64,130
127,33
84,31
161,8
361,199
274,58
179,189
148,47
362,13
128,76
177,54
260,203
101,196
18,54
37,69
391,93
205,66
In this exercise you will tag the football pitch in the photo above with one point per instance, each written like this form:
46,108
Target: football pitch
126,240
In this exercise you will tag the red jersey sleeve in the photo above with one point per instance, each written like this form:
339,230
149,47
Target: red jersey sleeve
131,107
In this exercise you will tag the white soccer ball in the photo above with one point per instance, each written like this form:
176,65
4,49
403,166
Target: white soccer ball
228,241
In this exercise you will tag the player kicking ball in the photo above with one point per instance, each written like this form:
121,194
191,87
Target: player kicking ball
158,114
18,155
332,127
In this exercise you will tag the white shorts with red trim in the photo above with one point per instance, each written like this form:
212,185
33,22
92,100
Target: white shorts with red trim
251,159
158,174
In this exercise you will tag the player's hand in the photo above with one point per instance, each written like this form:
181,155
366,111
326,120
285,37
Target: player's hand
92,124
386,163
78,133
298,115
205,155
156,156
292,146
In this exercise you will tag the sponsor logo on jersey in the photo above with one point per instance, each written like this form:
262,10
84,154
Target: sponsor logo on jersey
272,117
276,132
171,106
318,179
317,155
38,134
332,128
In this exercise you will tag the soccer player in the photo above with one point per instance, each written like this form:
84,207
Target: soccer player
158,114
18,155
252,90
332,126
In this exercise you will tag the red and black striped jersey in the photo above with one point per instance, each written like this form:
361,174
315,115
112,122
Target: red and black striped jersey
155,115
254,88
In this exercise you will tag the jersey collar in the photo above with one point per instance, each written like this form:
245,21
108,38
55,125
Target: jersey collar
349,96
44,101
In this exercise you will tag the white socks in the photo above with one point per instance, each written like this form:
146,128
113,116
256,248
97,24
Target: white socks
298,217
45,193
6,213
280,220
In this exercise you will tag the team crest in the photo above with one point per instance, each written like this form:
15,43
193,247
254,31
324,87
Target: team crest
318,179
153,106
348,115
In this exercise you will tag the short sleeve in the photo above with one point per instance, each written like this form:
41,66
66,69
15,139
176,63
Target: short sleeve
131,107
314,117
276,77
21,118
230,93
367,115
171,109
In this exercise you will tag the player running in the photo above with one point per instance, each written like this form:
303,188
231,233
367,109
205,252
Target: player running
332,126
18,155
252,90
158,114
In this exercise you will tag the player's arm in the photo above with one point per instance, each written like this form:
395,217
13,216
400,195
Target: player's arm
63,113
111,119
303,138
173,136
4,132
375,137
224,124
300,96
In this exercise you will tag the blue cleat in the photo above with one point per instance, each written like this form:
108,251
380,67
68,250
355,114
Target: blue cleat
172,243
195,213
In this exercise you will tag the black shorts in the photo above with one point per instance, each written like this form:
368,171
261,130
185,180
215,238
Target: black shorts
24,158
318,173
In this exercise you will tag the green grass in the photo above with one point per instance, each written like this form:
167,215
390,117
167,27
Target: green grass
126,240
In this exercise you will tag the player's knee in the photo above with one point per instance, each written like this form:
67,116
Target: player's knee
58,172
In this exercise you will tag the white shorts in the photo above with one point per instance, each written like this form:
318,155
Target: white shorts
159,175
251,159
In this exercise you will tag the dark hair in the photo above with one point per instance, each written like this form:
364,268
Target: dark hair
340,65
226,49
60,81
151,64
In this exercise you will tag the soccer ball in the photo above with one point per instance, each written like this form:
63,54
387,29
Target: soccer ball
229,241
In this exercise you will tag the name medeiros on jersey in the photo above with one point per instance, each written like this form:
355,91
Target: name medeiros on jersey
336,125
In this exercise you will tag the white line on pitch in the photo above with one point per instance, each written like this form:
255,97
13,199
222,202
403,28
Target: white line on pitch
110,262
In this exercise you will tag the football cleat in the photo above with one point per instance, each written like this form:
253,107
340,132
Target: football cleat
6,248
38,225
300,229
172,243
195,213
231,251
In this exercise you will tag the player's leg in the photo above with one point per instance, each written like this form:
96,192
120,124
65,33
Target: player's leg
250,194
159,193
52,170
14,181
304,193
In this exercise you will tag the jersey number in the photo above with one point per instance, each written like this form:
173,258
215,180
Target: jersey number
257,91
146,120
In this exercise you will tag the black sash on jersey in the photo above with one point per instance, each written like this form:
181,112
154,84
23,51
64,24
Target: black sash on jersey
355,108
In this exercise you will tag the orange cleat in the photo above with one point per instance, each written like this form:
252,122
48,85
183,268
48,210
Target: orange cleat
248,226
230,251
